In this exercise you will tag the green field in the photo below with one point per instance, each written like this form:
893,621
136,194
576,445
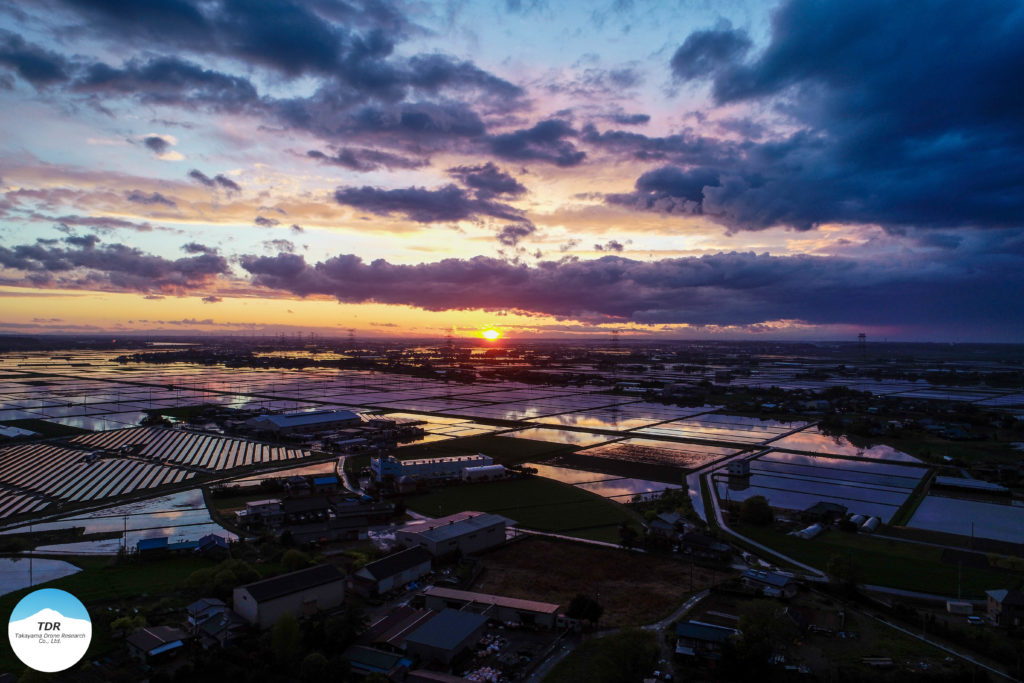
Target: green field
882,562
629,655
535,503
102,581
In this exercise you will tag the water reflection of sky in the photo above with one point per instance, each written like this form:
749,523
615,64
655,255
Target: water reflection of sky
568,475
652,451
180,517
733,428
558,436
15,573
604,485
603,419
816,442
796,482
323,469
955,516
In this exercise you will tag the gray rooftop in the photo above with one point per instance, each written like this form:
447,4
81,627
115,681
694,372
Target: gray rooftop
447,629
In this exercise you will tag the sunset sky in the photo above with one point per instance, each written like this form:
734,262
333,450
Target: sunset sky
793,170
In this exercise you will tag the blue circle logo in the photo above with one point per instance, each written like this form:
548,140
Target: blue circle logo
50,630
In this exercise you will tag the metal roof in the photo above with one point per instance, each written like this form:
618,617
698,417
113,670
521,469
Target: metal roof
286,584
397,563
311,418
447,630
498,600
706,632
453,526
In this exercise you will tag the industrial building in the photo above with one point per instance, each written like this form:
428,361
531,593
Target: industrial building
465,532
302,593
393,571
296,423
426,468
446,636
508,610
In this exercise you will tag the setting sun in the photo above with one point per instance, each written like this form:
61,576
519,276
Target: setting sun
490,334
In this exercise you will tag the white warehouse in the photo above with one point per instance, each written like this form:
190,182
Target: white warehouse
427,468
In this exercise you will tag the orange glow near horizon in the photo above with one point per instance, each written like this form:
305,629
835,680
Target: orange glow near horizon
490,334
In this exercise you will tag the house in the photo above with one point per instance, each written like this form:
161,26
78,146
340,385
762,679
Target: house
201,610
823,511
154,644
297,485
220,629
666,524
261,513
367,660
739,468
213,546
302,593
508,610
771,584
446,636
161,545
391,572
700,640
1006,607
465,532
704,547
305,510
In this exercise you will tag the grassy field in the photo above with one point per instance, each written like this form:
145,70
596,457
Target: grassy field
625,656
44,428
100,582
634,588
883,562
535,503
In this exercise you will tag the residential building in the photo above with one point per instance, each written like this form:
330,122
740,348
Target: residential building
772,584
1006,607
153,644
700,640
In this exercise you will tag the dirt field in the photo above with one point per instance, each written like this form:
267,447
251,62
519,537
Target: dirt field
634,588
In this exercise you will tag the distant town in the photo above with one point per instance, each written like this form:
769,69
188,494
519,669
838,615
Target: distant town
432,511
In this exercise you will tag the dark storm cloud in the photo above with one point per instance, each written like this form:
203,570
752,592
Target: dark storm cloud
111,266
196,174
216,181
153,198
32,63
547,141
907,116
629,119
669,189
365,159
227,183
265,222
611,245
488,181
156,144
197,248
686,147
445,204
705,53
720,289
511,235
168,80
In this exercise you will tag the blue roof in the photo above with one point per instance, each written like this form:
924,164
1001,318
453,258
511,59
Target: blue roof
323,481
152,543
770,578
